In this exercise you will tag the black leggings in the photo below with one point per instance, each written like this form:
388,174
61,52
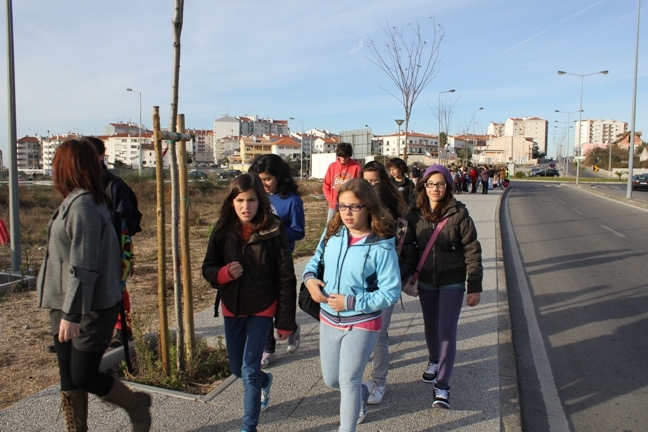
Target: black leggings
80,369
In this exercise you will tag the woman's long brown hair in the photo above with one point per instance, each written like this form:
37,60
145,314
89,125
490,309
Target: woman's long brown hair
423,201
381,221
229,219
76,166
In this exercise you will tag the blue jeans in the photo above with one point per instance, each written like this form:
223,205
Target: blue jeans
245,338
344,354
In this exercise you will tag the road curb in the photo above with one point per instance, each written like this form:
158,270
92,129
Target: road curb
510,411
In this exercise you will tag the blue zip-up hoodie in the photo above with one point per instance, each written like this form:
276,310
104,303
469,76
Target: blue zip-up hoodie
366,272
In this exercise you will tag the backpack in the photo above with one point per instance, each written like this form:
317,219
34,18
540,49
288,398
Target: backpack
137,214
123,236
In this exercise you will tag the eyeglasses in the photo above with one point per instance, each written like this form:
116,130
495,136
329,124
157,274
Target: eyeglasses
352,207
440,185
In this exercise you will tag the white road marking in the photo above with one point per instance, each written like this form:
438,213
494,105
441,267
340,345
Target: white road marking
613,232
577,211
560,201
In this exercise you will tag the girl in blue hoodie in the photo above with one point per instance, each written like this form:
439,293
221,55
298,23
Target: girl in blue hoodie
361,278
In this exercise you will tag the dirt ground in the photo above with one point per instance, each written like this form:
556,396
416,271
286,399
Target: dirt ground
25,365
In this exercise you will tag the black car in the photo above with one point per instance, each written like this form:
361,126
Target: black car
229,174
640,182
549,172
197,175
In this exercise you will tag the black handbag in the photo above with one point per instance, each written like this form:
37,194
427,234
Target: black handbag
305,300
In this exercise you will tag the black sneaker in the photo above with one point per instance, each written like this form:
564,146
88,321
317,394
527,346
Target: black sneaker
430,374
441,398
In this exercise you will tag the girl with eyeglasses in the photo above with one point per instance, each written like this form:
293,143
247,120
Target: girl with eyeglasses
361,278
453,266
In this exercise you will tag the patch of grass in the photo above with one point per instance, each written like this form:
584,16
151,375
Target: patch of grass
208,365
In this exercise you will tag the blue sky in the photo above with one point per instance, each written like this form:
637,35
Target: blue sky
308,60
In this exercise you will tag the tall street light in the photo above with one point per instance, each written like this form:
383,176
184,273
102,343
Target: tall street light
140,128
301,151
473,122
580,115
439,117
399,122
569,113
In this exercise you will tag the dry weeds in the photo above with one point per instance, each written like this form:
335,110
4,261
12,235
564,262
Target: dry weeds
25,366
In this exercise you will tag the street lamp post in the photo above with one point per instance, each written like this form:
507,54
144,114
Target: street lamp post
439,118
473,122
399,122
139,127
569,113
301,150
580,115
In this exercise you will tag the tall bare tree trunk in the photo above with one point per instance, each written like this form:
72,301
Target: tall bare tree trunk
161,235
177,278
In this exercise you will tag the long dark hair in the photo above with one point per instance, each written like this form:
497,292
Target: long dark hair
380,220
275,166
375,166
76,166
423,201
229,220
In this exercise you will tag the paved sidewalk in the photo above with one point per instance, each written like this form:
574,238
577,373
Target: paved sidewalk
483,387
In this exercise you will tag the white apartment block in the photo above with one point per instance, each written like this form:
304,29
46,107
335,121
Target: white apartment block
599,131
123,128
286,147
202,146
125,149
496,129
325,144
28,153
528,127
49,145
226,126
417,143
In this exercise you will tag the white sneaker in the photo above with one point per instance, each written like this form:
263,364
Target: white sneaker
267,359
376,392
293,340
363,404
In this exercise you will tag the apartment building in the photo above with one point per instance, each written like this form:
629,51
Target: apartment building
28,153
124,148
253,146
417,144
598,131
123,128
49,145
202,146
286,147
528,127
496,129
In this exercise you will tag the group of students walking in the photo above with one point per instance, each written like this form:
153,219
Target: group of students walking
468,179
380,231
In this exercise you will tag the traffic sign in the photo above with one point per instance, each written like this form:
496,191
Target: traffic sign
579,158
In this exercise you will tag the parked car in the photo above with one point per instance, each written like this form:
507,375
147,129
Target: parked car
229,174
197,175
546,173
534,171
640,182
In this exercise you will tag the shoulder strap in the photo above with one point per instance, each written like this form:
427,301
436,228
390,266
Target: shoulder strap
429,245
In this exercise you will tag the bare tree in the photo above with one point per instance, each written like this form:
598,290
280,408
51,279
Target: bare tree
409,60
444,113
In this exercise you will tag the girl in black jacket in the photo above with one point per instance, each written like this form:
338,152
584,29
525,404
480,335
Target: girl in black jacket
452,269
249,262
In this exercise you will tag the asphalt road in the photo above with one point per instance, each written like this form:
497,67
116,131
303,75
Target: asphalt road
576,273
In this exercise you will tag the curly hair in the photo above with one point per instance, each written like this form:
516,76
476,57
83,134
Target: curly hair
277,167
381,221
399,164
229,219
423,201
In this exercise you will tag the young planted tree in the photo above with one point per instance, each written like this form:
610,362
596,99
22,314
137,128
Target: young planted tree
408,57
444,112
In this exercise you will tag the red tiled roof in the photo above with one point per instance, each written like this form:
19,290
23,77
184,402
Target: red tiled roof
28,139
